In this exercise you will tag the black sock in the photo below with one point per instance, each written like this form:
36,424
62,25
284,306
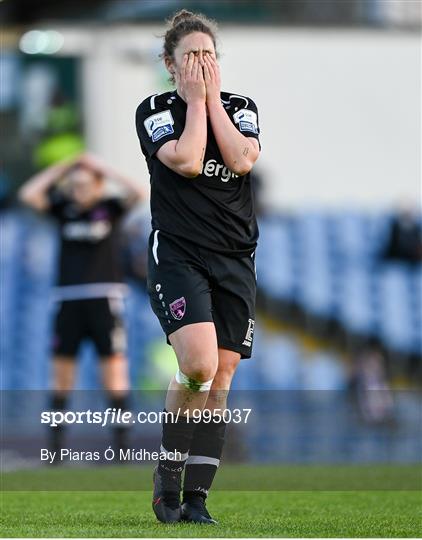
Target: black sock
119,402
176,441
204,457
120,431
58,402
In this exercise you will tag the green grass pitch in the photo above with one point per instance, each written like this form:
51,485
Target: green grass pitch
358,513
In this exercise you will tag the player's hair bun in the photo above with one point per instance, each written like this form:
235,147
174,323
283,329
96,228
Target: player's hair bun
181,16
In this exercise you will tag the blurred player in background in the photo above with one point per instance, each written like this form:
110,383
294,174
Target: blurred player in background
90,289
200,145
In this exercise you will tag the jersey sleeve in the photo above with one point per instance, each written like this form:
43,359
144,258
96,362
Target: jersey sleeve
245,118
155,126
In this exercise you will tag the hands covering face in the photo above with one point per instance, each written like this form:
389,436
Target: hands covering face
190,79
212,79
199,78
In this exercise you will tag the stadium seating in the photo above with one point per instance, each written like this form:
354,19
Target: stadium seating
355,300
330,265
327,263
397,315
275,259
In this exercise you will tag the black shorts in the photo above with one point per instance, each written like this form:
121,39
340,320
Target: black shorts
189,284
97,319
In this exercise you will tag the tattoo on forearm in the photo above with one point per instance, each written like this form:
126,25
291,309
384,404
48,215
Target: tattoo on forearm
245,151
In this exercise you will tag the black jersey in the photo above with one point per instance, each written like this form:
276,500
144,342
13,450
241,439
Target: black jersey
89,250
214,210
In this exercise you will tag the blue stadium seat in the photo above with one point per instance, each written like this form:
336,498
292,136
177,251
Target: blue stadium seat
396,318
312,234
316,288
280,363
356,304
323,371
274,263
351,238
10,249
416,302
314,276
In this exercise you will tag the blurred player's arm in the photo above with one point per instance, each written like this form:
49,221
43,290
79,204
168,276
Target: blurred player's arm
134,191
34,192
239,152
185,156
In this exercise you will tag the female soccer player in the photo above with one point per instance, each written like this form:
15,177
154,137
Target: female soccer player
200,145
90,280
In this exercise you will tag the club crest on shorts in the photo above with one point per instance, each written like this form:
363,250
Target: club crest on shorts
178,308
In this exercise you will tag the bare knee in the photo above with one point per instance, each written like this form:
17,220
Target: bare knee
199,366
227,362
196,349
227,365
